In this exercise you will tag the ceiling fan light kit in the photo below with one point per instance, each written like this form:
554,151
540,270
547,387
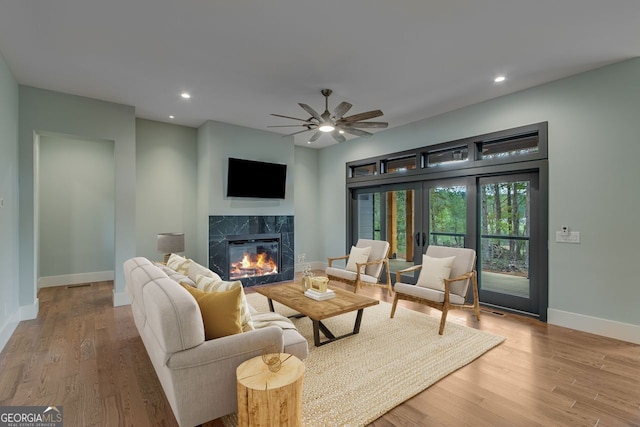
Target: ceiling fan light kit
335,122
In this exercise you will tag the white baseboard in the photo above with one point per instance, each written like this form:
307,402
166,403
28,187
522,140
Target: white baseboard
595,325
120,298
26,312
30,312
73,279
9,328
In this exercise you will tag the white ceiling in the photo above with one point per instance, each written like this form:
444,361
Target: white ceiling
244,59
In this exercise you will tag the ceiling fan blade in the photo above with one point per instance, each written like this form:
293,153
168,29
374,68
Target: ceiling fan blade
357,132
286,126
315,136
300,131
292,118
362,116
311,111
367,124
340,110
338,136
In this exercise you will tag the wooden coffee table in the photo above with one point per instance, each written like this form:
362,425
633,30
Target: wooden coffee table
291,295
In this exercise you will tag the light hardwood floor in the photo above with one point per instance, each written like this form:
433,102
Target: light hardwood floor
87,356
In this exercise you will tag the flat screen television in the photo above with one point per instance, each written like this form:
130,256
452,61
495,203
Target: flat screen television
250,178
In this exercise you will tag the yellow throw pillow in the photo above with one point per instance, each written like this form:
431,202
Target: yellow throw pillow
179,264
220,311
210,284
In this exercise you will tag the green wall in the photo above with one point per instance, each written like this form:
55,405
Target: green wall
216,143
307,233
593,152
166,184
9,299
76,210
44,112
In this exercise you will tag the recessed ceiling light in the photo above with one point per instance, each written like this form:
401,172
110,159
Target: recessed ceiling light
185,95
340,131
500,79
308,142
172,117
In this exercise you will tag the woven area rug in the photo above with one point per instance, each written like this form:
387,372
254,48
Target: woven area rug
353,381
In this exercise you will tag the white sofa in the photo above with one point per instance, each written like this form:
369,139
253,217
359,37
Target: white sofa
198,376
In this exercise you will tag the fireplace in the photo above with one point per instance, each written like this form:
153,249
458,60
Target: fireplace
253,255
253,249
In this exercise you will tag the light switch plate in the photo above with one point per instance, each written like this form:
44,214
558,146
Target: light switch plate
572,237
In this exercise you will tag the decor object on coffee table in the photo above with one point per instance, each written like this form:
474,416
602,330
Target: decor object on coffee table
268,398
363,270
170,243
443,282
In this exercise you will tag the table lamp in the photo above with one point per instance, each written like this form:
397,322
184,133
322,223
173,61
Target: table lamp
170,243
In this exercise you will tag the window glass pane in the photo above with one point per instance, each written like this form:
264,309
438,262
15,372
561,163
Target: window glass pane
505,225
453,155
400,165
510,147
364,170
448,216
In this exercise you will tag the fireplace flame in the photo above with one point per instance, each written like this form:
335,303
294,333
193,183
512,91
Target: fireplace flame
253,265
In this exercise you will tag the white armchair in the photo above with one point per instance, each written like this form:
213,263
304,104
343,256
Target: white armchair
444,280
364,265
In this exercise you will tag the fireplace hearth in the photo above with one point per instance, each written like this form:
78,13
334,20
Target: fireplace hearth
253,249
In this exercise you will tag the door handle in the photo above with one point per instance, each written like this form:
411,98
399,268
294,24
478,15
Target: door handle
424,238
417,238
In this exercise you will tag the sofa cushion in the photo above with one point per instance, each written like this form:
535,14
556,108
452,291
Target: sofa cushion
220,311
427,293
210,284
349,275
163,311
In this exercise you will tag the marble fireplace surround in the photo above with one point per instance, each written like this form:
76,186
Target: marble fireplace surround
240,225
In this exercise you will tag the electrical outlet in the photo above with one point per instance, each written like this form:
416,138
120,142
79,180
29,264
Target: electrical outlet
571,237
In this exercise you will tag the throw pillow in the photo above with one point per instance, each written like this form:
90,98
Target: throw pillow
179,264
209,284
174,275
358,255
434,271
196,270
220,311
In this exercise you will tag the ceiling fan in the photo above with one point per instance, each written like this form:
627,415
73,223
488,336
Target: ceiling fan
334,122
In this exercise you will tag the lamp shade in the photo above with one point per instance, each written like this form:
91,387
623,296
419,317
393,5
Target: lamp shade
169,243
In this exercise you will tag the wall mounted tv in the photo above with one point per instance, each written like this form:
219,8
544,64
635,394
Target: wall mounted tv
250,178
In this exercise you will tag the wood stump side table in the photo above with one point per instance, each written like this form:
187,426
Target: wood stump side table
266,398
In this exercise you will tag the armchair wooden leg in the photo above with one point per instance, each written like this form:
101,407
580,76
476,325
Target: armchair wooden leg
393,307
443,319
476,297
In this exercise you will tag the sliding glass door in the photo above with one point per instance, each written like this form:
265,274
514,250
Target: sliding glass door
390,213
495,215
508,248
